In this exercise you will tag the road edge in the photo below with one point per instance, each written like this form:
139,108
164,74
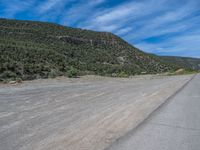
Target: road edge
155,110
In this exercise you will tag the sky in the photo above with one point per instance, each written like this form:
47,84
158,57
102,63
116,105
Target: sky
162,27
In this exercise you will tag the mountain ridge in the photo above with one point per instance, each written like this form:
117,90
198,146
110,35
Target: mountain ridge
31,49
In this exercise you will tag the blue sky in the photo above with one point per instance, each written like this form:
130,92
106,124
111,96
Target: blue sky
164,27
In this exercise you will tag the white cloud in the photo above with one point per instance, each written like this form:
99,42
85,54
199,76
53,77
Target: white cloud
116,14
80,11
14,7
123,31
48,5
186,45
121,15
171,21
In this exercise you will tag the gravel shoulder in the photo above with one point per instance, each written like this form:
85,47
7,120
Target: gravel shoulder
87,113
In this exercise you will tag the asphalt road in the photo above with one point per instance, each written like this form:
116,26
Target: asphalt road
87,113
174,126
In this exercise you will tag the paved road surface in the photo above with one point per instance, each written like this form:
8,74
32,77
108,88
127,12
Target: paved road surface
78,114
174,126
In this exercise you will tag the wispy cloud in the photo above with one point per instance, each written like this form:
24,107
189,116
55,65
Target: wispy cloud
49,5
124,31
170,21
121,15
185,45
79,11
11,8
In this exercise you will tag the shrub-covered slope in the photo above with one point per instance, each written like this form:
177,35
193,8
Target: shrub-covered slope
38,50
184,62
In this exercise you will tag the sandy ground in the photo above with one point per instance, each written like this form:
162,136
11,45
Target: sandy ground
88,113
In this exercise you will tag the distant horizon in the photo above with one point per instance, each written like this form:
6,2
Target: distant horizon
169,29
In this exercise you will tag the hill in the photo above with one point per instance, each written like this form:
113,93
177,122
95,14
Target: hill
32,50
183,62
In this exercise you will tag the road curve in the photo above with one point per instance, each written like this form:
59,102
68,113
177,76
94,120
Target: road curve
174,126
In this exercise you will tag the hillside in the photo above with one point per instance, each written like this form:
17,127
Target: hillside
184,62
32,50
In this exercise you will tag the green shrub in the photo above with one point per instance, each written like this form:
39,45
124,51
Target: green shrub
18,80
53,73
113,75
72,72
122,74
8,74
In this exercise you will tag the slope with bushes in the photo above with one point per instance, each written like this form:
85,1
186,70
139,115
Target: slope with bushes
184,62
32,50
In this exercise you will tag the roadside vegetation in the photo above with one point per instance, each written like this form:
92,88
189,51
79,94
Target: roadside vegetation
32,50
183,72
191,64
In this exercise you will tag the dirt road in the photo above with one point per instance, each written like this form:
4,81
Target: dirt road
78,114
